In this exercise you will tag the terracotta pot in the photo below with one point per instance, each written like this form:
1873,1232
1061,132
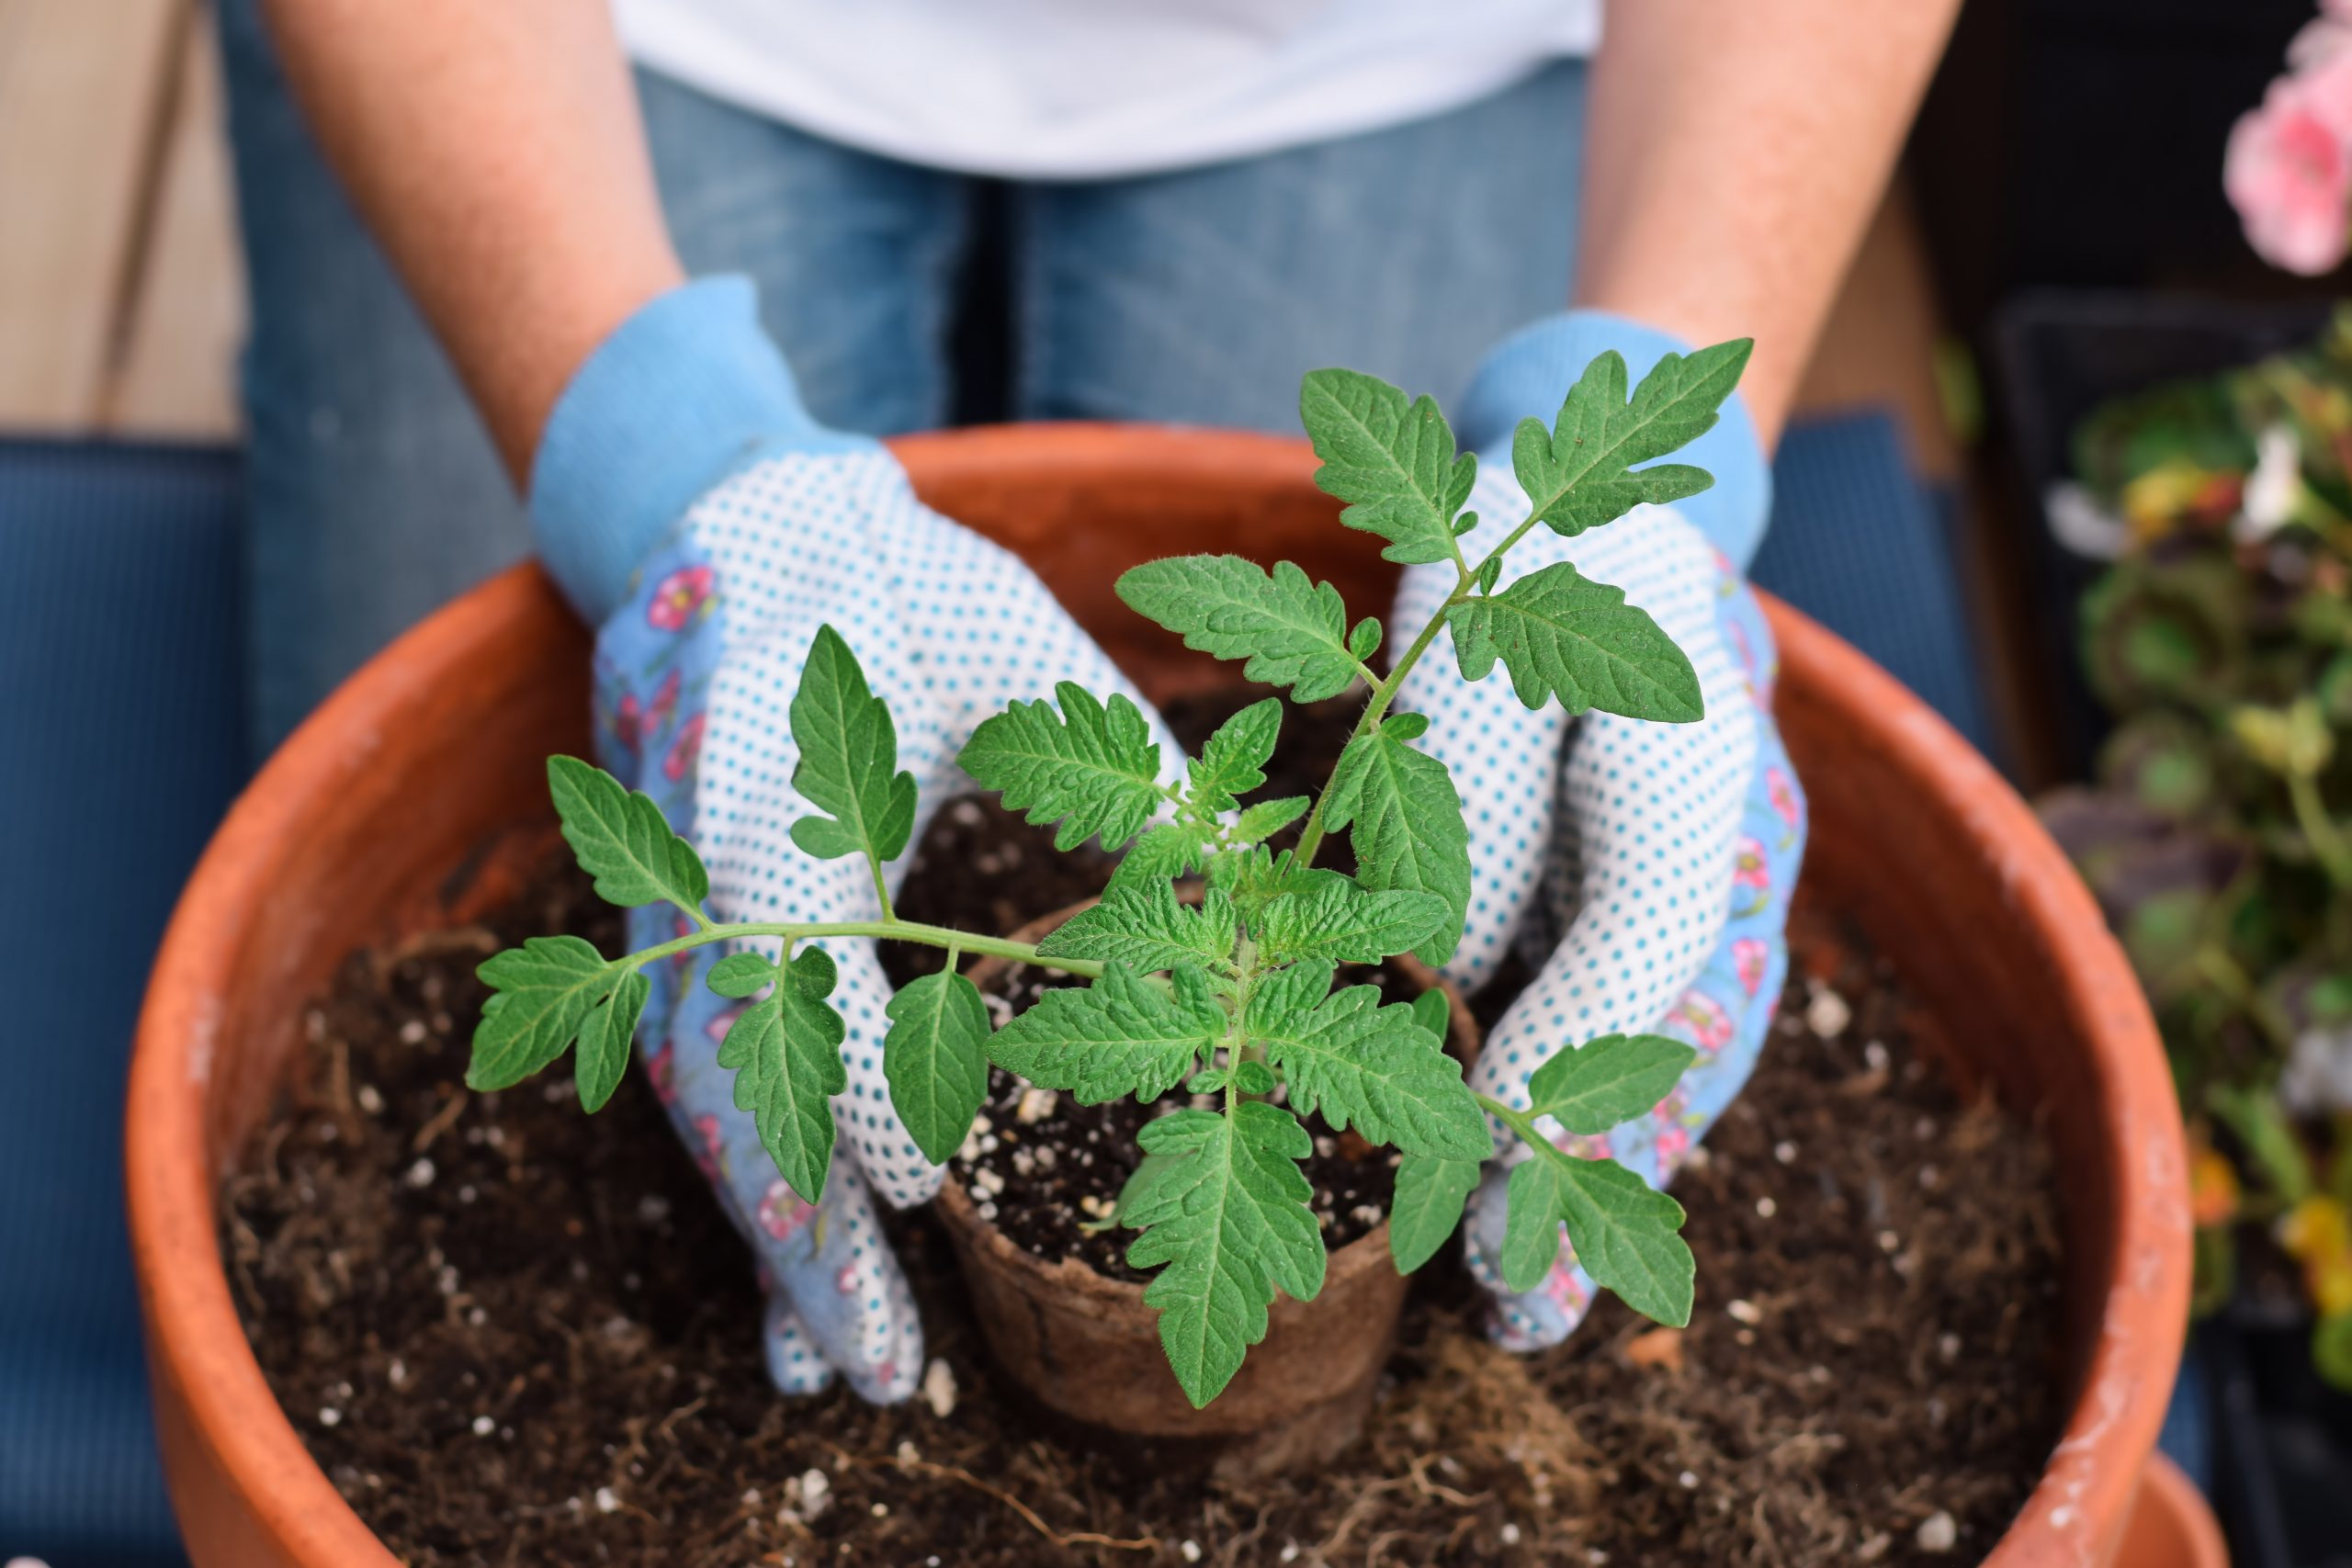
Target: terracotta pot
379,813
2172,1527
1086,1347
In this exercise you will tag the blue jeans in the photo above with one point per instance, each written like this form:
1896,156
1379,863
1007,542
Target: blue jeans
1199,297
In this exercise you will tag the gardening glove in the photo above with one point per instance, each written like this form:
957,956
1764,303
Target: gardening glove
1643,869
691,509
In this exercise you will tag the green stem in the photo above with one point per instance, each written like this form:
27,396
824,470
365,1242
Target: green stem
2224,975
1519,1122
954,941
881,892
2327,841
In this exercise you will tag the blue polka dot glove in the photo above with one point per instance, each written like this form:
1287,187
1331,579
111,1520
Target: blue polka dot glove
1643,870
691,508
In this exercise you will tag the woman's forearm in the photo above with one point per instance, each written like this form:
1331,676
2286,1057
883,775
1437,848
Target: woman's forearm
496,151
1734,151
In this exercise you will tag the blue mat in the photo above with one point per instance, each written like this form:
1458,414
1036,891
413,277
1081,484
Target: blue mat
121,741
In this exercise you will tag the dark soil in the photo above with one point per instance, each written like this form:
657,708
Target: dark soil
515,1334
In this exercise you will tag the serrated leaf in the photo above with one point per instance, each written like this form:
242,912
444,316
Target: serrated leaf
1255,876
1225,1210
1580,474
621,838
740,973
1346,923
935,1059
541,994
1607,1081
1120,1036
1233,762
1624,1232
1146,928
1427,1208
1166,850
1092,766
1263,821
1292,629
1433,1013
849,760
1363,1065
1390,457
1407,828
785,1053
1561,633
605,1039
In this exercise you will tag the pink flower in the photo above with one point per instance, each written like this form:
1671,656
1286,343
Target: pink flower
783,1214
679,596
1708,1022
1747,865
1749,955
664,704
661,1068
712,1156
2287,169
629,723
684,751
845,1281
1781,791
1673,1143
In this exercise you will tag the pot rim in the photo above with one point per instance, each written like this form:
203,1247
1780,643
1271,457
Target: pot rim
196,1342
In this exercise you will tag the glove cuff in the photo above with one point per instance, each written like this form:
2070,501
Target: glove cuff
1530,372
686,390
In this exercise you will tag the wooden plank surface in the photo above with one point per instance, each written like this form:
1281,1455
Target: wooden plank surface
82,85
176,374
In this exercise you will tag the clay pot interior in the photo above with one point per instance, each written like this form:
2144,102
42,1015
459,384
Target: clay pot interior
418,791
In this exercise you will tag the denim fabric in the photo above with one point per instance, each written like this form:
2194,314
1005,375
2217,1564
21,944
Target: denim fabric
1196,297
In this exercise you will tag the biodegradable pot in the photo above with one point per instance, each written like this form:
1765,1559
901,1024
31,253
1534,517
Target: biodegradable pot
392,804
1086,1347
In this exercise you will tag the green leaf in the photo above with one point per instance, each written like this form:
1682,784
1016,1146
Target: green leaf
1580,474
542,991
740,975
1608,1081
1145,927
1093,767
785,1053
621,838
1169,849
1342,921
1120,1036
1256,876
849,760
1623,1230
1254,1077
1292,629
1233,762
1428,1206
605,1039
1263,821
1391,459
1409,832
1225,1210
1208,1080
1363,1065
1363,640
936,1058
1434,1013
1561,633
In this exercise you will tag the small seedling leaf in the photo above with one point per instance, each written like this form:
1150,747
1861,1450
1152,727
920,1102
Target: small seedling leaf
1562,635
849,760
1624,1230
1292,629
785,1053
1255,876
541,994
1092,766
1225,1208
1580,474
1233,762
936,1058
621,838
1262,821
1346,923
1431,1191
741,973
1433,1013
1145,927
1608,1081
1407,826
1169,848
1363,1065
606,1040
1120,1036
1391,458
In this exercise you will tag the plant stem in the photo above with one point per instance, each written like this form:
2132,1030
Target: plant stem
2327,841
954,941
1519,1122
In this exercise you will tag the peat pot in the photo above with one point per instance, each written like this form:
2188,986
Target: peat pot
380,817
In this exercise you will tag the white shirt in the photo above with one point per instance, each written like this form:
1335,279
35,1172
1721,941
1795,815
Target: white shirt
1077,89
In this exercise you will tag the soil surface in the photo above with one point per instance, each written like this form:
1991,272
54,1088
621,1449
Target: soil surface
515,1334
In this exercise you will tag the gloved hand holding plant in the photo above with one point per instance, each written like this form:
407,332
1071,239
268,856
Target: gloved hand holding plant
819,558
